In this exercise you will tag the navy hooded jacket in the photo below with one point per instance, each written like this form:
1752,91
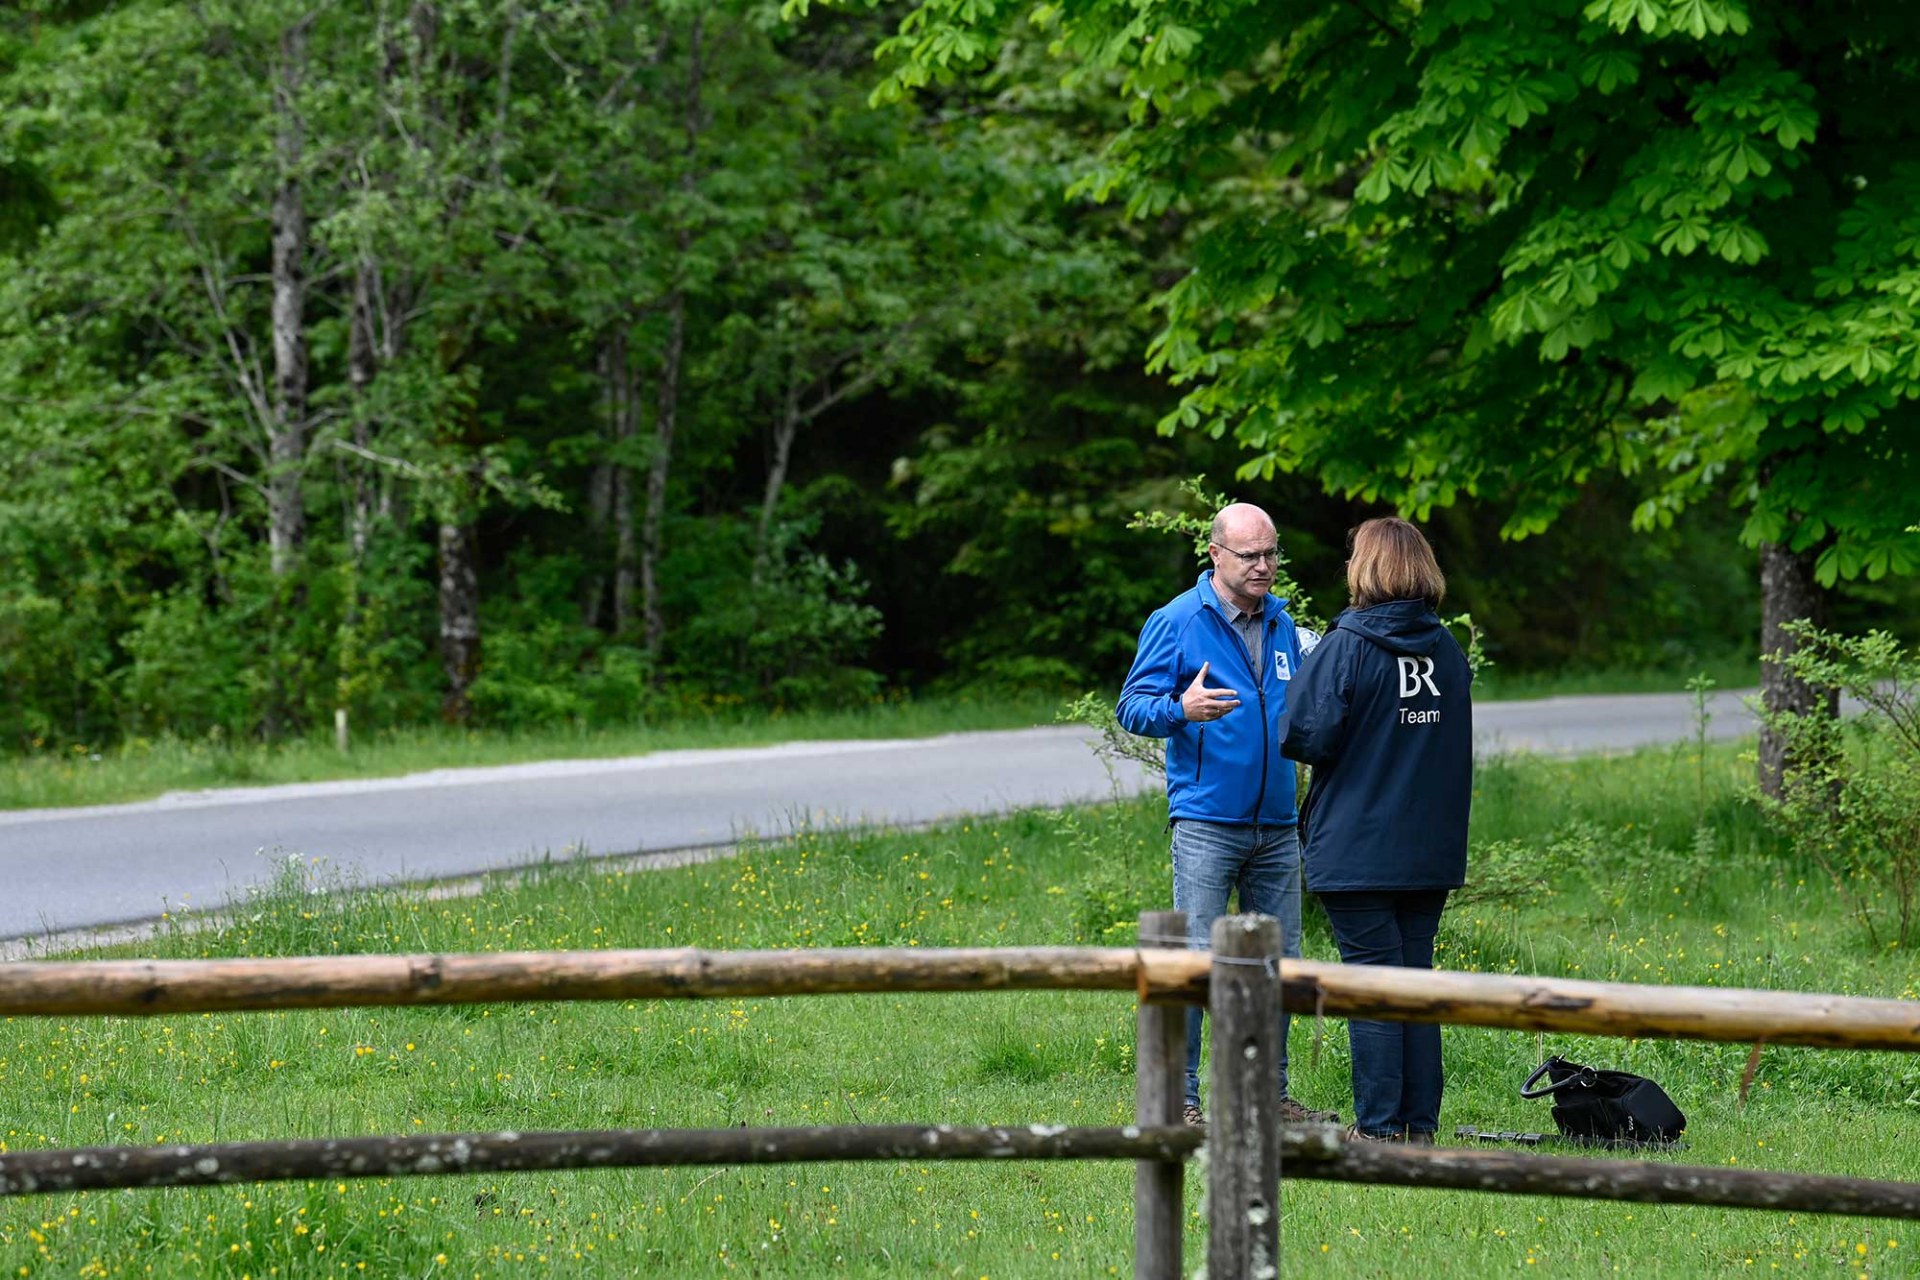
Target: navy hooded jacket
1384,714
1228,770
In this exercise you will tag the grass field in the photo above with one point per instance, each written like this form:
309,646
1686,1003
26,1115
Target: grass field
1648,868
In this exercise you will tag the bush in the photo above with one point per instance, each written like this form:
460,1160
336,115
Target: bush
794,636
1850,792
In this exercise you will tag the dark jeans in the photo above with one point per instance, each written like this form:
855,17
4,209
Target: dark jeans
1396,1065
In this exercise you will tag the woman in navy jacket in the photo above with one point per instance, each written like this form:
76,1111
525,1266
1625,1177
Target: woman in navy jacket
1383,712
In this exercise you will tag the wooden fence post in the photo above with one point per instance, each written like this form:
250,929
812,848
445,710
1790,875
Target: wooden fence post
1243,1131
1160,1067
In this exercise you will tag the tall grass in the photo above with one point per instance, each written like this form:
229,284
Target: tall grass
1608,876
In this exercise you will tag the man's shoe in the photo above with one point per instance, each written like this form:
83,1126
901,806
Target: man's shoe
1420,1137
1355,1133
1192,1114
1294,1111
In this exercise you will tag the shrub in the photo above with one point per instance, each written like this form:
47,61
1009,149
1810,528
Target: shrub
1850,794
795,636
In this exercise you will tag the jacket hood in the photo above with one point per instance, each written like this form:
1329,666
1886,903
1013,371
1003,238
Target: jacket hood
1398,626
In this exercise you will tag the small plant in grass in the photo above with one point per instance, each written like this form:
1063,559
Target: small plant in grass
1700,687
1127,872
1504,871
1850,795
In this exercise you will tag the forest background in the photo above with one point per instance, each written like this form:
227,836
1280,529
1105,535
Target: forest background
528,362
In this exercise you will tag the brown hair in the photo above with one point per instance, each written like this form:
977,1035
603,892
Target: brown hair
1389,559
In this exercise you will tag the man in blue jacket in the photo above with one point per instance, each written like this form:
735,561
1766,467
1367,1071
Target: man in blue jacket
1210,676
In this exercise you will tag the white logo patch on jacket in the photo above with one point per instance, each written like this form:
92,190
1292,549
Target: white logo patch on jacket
1282,669
1413,673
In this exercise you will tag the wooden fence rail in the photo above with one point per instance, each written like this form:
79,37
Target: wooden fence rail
1159,976
1315,1152
219,1163
1733,1014
1319,1152
143,988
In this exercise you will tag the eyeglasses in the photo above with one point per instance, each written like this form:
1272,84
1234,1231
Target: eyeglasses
1269,554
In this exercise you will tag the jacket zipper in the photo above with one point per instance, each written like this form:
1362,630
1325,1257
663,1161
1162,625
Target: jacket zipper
1266,738
1200,756
1260,688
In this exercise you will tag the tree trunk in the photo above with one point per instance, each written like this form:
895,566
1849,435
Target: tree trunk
362,364
784,432
286,511
459,618
1788,592
424,23
593,588
653,622
626,425
667,411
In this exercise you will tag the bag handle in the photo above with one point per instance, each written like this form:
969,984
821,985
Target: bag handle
1581,1076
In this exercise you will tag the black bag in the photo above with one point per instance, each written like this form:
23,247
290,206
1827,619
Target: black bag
1606,1106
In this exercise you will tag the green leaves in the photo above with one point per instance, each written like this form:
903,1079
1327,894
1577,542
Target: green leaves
1650,15
1576,219
1698,19
1610,68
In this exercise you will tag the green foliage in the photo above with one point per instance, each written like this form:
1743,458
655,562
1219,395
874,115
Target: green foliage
1126,871
503,194
1026,518
1850,795
793,637
1195,521
1451,254
549,674
1585,858
907,375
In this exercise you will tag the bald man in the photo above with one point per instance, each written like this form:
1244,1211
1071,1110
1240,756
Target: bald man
1210,676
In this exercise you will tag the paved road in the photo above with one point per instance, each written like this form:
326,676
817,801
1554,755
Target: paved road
67,869
1608,722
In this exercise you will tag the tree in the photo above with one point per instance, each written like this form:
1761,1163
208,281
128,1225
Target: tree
168,286
1463,249
178,327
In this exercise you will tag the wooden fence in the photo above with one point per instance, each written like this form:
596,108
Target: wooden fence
1241,981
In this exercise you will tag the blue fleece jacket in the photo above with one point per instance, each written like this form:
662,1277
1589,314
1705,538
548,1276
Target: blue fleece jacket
1228,770
1383,711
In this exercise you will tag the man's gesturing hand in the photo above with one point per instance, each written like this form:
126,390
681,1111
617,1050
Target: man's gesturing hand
1202,704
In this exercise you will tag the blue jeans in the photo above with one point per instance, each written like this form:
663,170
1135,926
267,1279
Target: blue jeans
1397,1078
1210,861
